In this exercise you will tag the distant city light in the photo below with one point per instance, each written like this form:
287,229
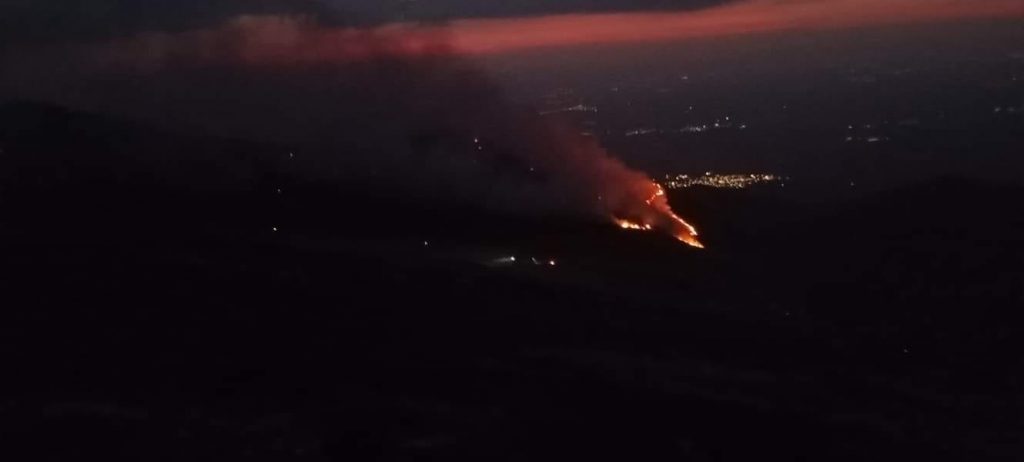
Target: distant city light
716,180
576,108
694,128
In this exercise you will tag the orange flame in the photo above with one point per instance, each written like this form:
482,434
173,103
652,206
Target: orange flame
626,224
689,239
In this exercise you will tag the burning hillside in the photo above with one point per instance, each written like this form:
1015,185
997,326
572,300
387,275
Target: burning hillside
365,110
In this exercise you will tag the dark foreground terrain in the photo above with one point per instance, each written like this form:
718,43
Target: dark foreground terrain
143,320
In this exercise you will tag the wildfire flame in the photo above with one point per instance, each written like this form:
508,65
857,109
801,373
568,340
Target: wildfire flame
659,215
626,224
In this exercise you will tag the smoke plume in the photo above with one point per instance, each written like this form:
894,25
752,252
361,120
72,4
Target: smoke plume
372,107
